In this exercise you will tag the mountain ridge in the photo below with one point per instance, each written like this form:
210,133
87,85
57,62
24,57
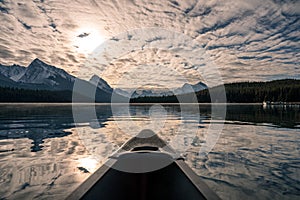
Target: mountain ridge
40,82
39,75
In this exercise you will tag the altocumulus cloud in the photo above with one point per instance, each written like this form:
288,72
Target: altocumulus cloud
247,40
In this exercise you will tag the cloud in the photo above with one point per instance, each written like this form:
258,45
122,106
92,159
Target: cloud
154,39
245,39
24,25
82,35
5,52
3,8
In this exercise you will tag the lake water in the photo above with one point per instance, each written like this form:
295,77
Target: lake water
44,154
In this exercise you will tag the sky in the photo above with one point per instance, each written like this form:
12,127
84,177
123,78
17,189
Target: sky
244,40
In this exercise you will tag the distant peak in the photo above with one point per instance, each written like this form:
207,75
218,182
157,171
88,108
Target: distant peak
99,82
15,65
37,63
186,84
201,83
94,77
37,60
97,79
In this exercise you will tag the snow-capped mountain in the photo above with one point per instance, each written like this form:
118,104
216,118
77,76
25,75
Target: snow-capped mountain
143,93
54,78
137,93
38,75
188,88
41,76
122,92
101,84
199,86
5,81
185,89
14,72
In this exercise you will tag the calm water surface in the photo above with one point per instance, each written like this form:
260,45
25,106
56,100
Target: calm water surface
44,154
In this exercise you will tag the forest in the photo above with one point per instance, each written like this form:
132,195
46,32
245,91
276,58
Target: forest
10,94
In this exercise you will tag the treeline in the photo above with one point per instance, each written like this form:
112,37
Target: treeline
9,94
162,99
287,90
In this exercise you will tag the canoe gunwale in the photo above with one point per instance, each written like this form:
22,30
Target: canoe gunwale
83,188
197,182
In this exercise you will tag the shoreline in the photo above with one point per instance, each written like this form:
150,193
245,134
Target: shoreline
163,103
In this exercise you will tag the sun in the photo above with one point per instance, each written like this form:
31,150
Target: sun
86,40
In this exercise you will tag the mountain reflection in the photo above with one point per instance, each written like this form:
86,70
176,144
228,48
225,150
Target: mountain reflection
41,121
38,122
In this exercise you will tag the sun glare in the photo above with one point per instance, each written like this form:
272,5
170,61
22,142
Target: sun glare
86,40
88,163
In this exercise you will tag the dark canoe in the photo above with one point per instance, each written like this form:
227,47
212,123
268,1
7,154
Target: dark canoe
128,175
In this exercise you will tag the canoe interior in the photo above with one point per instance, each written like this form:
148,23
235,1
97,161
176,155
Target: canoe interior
166,183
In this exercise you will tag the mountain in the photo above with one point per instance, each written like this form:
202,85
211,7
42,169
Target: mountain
199,86
9,75
144,93
50,77
13,72
40,82
38,75
185,89
101,84
41,76
122,92
188,88
4,81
